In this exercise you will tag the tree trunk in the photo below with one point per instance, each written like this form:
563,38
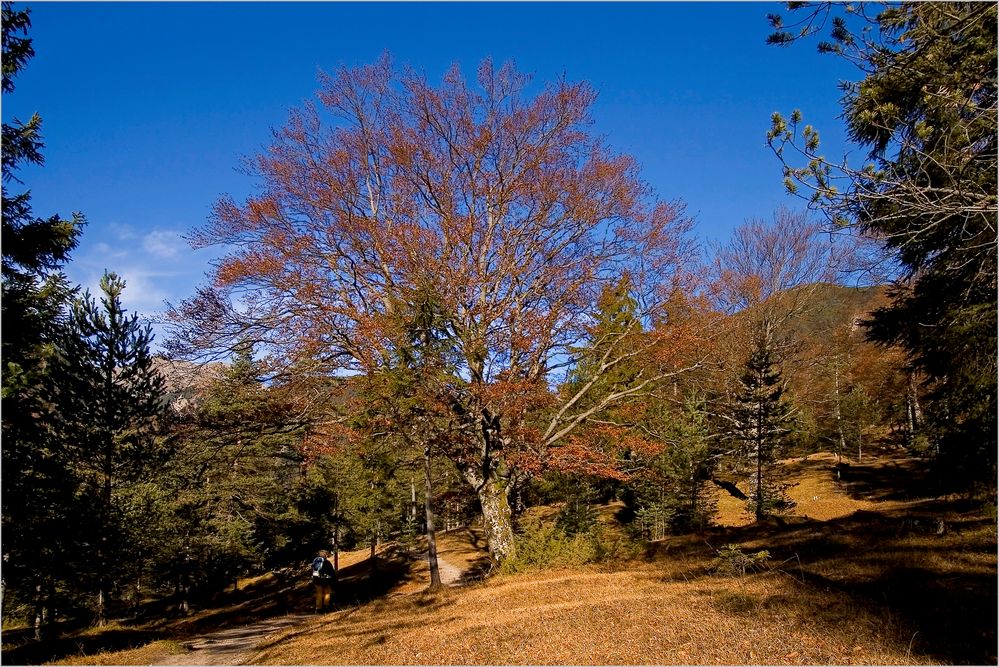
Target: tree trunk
184,582
336,548
435,575
760,513
913,413
183,606
38,611
917,412
412,491
101,610
496,515
839,414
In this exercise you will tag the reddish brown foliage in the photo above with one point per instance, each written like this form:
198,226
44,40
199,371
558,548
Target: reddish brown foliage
499,204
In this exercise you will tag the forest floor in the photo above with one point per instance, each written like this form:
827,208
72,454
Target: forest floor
870,568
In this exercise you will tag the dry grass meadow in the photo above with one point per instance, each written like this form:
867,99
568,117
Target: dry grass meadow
870,569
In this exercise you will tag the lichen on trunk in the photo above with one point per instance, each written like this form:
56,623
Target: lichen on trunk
496,514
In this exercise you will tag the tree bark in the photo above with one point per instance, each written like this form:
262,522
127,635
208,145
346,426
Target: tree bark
435,575
496,514
38,611
760,513
336,547
839,414
412,491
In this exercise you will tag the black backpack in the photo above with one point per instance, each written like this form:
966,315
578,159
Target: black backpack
321,568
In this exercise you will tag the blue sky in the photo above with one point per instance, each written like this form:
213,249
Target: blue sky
149,107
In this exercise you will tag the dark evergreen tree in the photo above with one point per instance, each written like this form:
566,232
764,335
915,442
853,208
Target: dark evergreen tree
35,292
926,110
668,493
761,423
616,326
39,522
113,400
229,501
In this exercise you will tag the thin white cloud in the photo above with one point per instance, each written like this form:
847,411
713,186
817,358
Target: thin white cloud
122,231
163,243
143,293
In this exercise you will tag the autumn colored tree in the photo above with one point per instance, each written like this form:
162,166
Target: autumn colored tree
768,273
502,202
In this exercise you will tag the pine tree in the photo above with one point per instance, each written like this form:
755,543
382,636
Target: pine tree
762,423
35,292
616,325
233,487
926,112
113,401
413,395
39,521
667,491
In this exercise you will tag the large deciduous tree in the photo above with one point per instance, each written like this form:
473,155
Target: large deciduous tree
500,202
769,273
925,110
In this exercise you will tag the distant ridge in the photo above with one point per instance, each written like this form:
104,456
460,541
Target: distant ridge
186,381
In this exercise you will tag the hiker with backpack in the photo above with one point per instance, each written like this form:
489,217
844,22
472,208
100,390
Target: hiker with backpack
323,579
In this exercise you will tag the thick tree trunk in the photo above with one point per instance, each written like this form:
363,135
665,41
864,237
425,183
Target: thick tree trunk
496,514
435,575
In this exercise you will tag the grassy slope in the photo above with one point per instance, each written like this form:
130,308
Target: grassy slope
860,575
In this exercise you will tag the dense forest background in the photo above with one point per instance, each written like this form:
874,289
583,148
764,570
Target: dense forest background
448,304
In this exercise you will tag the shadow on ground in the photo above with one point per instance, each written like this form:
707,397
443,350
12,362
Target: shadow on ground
53,648
284,593
931,566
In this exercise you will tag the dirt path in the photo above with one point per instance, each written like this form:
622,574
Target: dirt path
234,646
450,574
231,646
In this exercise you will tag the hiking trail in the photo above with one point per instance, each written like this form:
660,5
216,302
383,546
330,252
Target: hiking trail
235,646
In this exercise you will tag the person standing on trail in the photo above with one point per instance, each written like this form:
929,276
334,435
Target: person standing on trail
323,578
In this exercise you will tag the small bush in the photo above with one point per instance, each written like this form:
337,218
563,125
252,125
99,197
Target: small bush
577,516
545,545
409,534
541,545
733,561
